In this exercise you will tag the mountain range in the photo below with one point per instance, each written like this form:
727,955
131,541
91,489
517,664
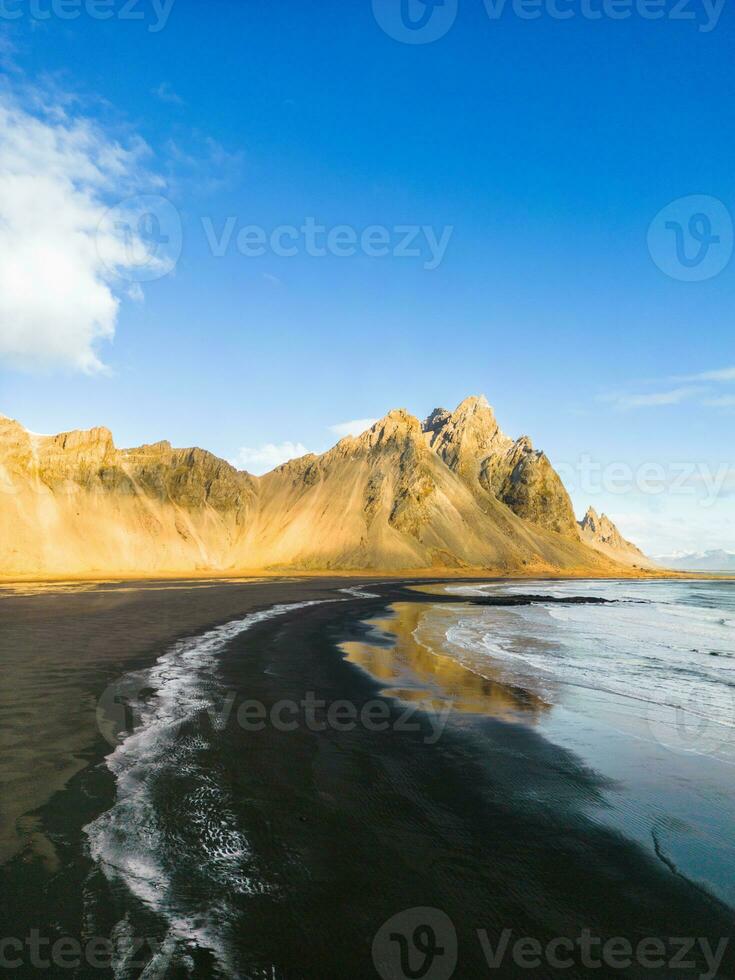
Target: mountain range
716,560
453,492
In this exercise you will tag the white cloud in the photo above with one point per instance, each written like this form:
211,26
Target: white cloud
691,387
59,172
673,397
7,53
724,401
354,428
203,164
165,93
265,458
722,374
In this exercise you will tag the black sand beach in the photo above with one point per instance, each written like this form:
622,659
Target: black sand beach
347,825
61,644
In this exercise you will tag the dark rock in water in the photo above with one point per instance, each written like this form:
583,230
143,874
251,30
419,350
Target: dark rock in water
527,600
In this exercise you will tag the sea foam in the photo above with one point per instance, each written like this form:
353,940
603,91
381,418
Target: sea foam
133,844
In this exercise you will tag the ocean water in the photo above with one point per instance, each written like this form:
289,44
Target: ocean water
639,690
668,645
642,689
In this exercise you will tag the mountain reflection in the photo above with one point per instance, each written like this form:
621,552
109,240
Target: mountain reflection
425,672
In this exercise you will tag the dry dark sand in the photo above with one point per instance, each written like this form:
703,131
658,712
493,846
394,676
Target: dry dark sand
61,644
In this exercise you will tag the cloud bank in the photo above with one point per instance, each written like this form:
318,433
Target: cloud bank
354,428
265,458
695,388
61,274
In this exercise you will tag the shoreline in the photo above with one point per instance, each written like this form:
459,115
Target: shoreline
353,828
494,825
60,648
56,729
298,575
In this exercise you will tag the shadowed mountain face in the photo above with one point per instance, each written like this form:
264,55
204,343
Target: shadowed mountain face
453,493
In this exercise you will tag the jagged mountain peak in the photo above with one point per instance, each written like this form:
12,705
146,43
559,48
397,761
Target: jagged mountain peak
396,420
455,492
472,404
602,526
470,442
598,531
524,444
464,437
436,419
396,425
475,409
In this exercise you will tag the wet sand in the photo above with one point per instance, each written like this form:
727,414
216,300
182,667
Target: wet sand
492,824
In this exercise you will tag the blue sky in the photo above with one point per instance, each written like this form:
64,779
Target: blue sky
538,151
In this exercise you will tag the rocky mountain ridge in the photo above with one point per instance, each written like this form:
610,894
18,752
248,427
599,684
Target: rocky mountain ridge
599,532
453,492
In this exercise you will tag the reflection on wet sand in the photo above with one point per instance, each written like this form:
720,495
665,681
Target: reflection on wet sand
101,586
414,669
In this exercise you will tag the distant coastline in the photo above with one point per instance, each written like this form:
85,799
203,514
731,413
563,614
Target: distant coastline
245,576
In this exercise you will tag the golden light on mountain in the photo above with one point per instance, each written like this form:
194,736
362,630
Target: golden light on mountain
453,493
